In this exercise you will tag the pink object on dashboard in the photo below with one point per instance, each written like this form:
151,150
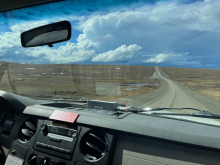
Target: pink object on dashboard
64,116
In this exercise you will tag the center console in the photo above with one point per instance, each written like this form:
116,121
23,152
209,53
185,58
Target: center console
57,140
47,142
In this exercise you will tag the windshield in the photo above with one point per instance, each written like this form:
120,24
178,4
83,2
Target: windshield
149,53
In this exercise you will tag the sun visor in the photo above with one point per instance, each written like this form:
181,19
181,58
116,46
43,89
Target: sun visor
7,5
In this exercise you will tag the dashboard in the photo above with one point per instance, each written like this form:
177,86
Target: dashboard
37,132
7,117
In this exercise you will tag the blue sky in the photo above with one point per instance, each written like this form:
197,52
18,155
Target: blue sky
184,33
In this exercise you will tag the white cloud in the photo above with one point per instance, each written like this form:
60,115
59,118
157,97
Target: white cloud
70,52
174,59
64,54
158,27
74,52
23,26
166,26
194,16
121,53
107,36
160,58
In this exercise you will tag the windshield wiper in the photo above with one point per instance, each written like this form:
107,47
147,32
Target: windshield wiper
201,113
204,114
72,99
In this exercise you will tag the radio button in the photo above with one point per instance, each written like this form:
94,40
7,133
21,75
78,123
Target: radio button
40,144
62,150
55,139
67,151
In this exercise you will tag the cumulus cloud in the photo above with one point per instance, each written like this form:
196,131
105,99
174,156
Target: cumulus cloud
71,52
23,26
11,39
74,52
121,53
161,57
107,36
160,27
158,58
173,59
64,54
170,26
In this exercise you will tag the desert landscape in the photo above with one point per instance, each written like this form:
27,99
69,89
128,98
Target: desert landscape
103,82
203,81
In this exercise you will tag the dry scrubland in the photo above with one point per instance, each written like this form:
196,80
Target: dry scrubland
203,81
103,82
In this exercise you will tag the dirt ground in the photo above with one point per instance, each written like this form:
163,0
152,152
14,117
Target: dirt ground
203,81
102,82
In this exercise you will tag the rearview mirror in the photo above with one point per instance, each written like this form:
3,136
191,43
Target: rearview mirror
47,34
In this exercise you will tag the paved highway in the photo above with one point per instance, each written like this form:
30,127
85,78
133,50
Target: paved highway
175,95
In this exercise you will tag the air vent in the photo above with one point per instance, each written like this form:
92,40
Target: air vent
93,145
27,130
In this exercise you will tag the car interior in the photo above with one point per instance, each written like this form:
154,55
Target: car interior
91,132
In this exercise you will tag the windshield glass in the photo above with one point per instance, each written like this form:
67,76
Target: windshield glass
149,53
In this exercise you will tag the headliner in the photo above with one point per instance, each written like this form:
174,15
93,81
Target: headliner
7,5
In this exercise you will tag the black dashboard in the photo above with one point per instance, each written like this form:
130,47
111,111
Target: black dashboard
7,117
30,135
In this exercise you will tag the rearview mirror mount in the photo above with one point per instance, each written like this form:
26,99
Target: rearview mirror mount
47,34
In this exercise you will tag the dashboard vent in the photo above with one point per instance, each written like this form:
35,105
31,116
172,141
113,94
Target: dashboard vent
27,130
93,145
